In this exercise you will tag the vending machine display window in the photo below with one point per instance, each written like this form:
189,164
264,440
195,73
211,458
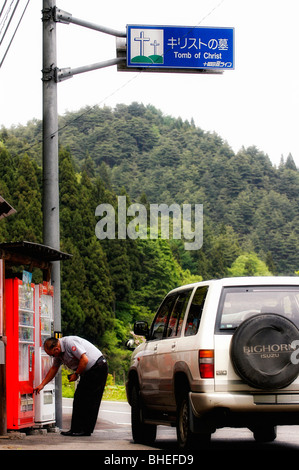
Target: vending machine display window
20,353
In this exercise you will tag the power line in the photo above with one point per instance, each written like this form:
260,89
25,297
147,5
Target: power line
3,6
13,36
11,17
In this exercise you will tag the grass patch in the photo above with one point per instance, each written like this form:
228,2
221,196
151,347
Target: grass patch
115,392
112,392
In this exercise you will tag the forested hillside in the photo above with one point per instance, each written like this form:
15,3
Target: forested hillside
251,212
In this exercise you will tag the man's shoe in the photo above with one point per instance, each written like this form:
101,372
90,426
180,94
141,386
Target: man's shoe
75,434
67,433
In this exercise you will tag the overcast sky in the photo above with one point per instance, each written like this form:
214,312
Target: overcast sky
255,104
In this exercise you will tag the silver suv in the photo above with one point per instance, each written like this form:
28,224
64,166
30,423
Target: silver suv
220,353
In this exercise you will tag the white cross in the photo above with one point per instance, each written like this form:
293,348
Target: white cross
142,39
155,44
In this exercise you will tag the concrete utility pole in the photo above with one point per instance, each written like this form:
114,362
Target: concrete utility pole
51,232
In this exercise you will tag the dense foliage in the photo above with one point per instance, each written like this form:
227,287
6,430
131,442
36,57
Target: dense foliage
250,212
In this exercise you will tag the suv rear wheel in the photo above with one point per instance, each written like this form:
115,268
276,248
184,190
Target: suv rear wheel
142,433
186,438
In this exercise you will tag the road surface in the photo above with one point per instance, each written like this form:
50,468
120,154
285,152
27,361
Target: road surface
112,438
116,418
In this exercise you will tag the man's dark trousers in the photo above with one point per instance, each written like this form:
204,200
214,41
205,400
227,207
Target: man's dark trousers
88,396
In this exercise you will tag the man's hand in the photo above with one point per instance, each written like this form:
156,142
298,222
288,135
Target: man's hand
50,375
38,389
72,377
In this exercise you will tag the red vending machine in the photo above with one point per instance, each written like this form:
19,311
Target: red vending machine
20,322
1,297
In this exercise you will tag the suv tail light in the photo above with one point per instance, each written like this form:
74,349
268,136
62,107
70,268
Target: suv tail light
206,363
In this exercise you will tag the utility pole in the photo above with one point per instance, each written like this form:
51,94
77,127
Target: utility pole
51,76
51,232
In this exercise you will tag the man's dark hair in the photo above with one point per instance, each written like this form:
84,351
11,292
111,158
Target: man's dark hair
50,343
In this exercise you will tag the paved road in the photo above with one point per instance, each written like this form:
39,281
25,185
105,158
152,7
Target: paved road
113,411
113,433
116,416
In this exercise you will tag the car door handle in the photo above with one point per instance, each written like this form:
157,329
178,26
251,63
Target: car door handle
173,345
155,347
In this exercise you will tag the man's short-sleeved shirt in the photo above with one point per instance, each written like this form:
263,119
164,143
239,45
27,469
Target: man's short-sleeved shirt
72,348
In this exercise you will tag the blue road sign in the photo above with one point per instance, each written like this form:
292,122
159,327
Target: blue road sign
180,47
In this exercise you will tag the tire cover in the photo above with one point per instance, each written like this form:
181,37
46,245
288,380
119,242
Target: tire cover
261,351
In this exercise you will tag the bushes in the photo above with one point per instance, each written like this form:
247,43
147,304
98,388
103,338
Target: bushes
111,392
68,388
114,392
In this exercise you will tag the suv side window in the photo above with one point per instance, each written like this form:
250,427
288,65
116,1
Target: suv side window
160,320
195,311
177,315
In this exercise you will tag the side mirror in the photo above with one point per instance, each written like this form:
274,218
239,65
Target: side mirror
141,328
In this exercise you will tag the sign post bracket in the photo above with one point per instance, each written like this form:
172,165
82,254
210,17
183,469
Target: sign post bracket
67,72
61,16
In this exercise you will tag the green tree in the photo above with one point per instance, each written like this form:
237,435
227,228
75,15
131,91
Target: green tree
248,264
27,201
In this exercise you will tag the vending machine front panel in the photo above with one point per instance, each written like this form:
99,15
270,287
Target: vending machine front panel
20,326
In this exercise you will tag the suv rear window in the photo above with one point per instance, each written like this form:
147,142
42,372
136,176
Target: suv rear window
169,319
177,315
195,311
239,303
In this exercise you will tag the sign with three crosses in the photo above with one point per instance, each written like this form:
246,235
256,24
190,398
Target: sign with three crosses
180,47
